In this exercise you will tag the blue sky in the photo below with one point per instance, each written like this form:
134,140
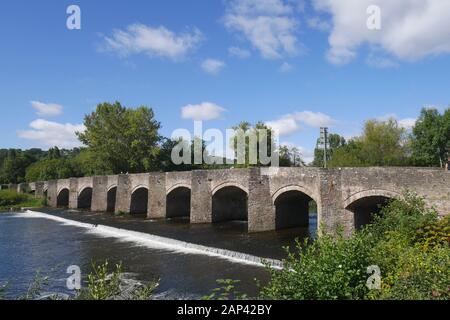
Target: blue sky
294,64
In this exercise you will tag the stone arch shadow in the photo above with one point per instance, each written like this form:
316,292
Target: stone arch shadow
292,206
62,198
111,196
139,200
84,200
178,201
229,203
363,206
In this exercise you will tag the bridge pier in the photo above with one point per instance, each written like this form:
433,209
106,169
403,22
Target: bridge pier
73,193
39,190
52,193
261,211
99,194
123,196
157,196
201,198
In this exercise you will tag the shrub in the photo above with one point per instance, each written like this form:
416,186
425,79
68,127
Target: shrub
12,199
103,284
407,242
329,268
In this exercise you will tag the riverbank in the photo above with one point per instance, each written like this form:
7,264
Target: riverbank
13,201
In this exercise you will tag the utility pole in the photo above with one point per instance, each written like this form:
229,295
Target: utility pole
324,140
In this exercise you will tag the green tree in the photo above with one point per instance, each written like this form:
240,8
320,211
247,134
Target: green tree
430,139
125,139
335,141
383,143
243,132
50,169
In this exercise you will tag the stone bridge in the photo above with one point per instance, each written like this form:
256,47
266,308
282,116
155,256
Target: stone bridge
267,199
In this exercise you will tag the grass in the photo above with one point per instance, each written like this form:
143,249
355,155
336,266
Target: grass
10,199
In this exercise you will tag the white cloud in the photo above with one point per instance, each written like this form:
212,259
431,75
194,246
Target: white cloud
47,109
212,66
202,112
314,119
319,24
285,67
407,123
410,29
50,134
239,53
268,25
285,126
161,42
289,123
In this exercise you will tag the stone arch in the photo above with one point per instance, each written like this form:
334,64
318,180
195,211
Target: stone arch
229,202
111,195
178,201
62,198
139,186
84,199
178,185
229,184
111,187
363,206
301,189
139,200
292,207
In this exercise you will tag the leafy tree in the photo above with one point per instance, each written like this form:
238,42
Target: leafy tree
88,163
334,142
54,153
430,139
243,132
14,166
290,157
383,143
125,139
50,169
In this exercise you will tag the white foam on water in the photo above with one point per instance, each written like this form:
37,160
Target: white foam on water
158,242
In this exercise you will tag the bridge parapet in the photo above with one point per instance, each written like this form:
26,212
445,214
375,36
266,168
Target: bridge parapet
259,195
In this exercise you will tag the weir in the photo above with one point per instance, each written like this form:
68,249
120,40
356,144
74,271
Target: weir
267,198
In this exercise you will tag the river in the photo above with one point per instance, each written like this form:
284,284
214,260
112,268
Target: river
187,267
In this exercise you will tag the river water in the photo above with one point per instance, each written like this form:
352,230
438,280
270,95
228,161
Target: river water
46,243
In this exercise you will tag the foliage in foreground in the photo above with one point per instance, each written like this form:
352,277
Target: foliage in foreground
407,242
12,199
102,283
105,284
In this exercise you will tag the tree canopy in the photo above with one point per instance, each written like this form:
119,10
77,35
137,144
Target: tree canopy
123,138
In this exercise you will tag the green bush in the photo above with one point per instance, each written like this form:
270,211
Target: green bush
407,242
12,199
104,284
329,268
